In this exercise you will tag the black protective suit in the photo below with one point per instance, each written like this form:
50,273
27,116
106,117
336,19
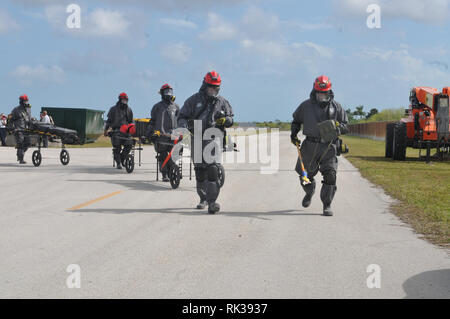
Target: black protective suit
21,118
163,118
206,109
119,115
319,156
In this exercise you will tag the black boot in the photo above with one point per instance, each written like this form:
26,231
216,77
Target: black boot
309,190
165,178
20,155
122,158
201,191
212,192
326,195
117,158
213,207
202,204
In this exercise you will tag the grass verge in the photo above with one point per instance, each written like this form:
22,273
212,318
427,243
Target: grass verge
102,141
423,190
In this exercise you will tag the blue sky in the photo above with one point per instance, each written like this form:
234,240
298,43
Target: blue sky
267,52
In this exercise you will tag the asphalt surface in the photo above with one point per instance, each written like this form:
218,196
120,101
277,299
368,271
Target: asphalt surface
134,237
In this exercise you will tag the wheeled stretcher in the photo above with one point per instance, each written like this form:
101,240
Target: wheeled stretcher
66,136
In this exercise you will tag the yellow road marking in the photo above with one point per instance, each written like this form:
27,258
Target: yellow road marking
95,200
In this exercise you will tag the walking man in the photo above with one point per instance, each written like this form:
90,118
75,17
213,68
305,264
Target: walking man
318,155
211,110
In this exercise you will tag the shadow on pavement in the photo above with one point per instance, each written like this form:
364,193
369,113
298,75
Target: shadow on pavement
138,185
193,212
51,167
428,285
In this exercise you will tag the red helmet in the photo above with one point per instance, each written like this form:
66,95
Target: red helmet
165,86
23,97
213,78
123,95
128,129
322,84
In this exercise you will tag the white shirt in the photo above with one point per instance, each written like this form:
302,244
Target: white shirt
45,119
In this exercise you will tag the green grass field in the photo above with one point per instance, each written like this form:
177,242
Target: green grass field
102,141
422,189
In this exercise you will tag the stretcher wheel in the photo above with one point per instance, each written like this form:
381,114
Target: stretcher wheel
36,158
174,176
129,164
221,175
64,157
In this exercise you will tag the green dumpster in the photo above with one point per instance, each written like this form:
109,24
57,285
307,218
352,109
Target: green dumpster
88,123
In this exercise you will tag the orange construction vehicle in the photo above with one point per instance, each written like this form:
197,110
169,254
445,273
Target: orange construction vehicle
427,125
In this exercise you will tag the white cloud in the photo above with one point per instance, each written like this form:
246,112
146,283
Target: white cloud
7,23
320,50
258,23
430,11
218,29
294,51
103,22
176,52
304,26
178,23
94,61
36,3
307,54
405,67
147,78
48,74
177,5
98,23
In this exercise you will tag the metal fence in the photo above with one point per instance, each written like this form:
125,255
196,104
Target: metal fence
374,130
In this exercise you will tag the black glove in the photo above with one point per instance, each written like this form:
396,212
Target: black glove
295,140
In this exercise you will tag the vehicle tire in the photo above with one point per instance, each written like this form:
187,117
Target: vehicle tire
389,140
221,175
174,176
64,157
36,158
129,164
441,149
399,142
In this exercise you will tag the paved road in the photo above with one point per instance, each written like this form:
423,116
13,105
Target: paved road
135,237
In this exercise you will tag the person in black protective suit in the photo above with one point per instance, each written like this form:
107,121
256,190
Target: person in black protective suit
20,121
317,155
212,110
119,115
163,120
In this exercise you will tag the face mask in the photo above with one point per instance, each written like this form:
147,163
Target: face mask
167,95
212,91
167,92
323,98
168,98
